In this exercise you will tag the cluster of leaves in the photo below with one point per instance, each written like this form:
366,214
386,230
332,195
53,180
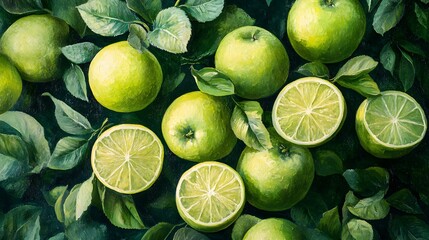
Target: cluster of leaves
354,195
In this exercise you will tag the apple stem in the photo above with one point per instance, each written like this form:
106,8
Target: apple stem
283,149
329,2
189,134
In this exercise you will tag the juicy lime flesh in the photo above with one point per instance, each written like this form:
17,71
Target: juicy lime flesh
395,120
210,195
309,112
128,160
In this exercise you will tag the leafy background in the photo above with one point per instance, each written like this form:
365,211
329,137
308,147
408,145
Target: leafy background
46,184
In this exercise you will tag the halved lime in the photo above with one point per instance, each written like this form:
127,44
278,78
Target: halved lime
391,124
210,196
309,111
127,158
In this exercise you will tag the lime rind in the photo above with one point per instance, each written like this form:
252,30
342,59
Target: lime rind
210,196
127,158
309,111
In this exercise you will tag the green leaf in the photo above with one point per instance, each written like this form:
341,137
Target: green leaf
68,153
69,206
367,182
355,67
407,71
207,36
13,157
74,79
107,17
242,225
148,9
67,11
360,230
80,53
158,232
388,14
84,196
187,233
138,37
204,10
59,204
16,187
363,84
327,162
211,81
246,122
314,69
52,196
330,223
82,229
309,211
405,201
171,30
372,208
171,65
68,119
372,4
119,209
22,222
408,228
388,58
33,135
22,6
422,16
269,2
59,236
350,200
412,48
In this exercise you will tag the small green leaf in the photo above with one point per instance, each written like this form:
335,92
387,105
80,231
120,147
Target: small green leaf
107,17
148,9
187,233
171,65
388,14
314,69
355,67
246,122
67,11
388,58
405,201
84,196
68,119
80,53
211,81
82,229
13,157
69,205
204,10
407,71
309,211
363,84
59,204
327,162
171,30
52,196
330,223
22,6
367,182
74,79
408,228
372,4
422,16
68,153
242,225
372,208
350,200
16,187
138,37
360,229
22,222
412,48
158,232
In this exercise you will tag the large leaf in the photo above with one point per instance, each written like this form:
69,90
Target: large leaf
66,10
22,222
405,201
22,6
148,9
314,69
211,81
13,157
246,122
407,71
242,225
107,17
74,79
363,84
68,119
33,135
408,228
357,229
158,232
372,208
84,196
171,30
80,53
388,14
367,182
187,233
355,67
69,205
68,153
204,10
388,58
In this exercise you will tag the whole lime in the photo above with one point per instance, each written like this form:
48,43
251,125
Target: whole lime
255,60
33,44
10,85
278,178
274,228
326,30
196,127
124,79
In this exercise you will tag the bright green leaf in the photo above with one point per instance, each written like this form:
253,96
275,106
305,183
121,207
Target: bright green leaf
360,229
363,84
388,14
330,223
187,233
407,71
59,204
80,53
405,201
388,58
69,205
52,196
355,67
367,182
242,225
314,69
148,9
84,196
171,30
211,81
327,162
66,10
372,208
22,222
158,232
408,228
138,37
204,10
74,79
22,6
68,153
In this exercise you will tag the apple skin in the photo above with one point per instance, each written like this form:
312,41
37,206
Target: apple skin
274,228
196,127
255,60
278,178
327,31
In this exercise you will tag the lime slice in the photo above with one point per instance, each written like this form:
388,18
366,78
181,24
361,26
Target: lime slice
127,158
309,111
391,124
210,196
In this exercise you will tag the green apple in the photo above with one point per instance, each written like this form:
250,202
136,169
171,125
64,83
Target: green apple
278,178
10,85
274,228
327,31
33,44
255,60
196,127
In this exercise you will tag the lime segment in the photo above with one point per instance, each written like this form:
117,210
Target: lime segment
210,196
309,111
127,158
